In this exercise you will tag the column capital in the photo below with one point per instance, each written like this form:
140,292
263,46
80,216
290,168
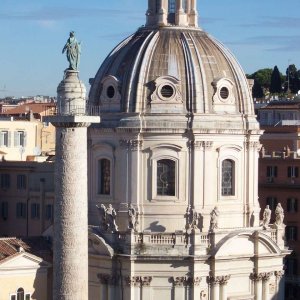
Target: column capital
146,280
256,276
133,280
279,274
178,281
223,280
213,280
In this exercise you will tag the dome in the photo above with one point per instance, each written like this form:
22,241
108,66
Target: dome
171,68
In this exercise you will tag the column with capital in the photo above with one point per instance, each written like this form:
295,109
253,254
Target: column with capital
265,287
214,284
223,286
178,286
134,286
257,281
146,289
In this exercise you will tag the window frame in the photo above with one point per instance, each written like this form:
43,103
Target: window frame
291,235
5,179
35,211
233,178
4,138
292,208
171,165
272,171
293,172
21,210
99,170
155,195
21,181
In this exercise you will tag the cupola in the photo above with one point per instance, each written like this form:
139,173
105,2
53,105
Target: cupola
172,12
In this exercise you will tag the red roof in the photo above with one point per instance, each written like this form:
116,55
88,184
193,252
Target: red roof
37,246
36,108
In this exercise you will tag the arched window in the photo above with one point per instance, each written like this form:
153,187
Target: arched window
166,177
227,177
104,174
20,294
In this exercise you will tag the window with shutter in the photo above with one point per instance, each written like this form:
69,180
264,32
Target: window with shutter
272,202
4,210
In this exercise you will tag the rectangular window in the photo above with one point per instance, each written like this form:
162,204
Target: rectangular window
27,297
49,212
21,210
291,233
165,180
292,205
272,202
104,177
20,139
5,181
13,297
271,171
35,211
4,210
4,139
293,172
21,182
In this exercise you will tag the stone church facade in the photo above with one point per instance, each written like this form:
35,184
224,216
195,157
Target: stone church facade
173,171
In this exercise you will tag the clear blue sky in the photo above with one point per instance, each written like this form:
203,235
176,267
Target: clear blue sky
261,33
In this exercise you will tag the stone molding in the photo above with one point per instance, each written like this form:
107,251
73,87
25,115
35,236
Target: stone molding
131,144
138,281
185,281
265,276
222,280
199,145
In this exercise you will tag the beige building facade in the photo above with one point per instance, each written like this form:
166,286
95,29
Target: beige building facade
23,275
22,139
26,197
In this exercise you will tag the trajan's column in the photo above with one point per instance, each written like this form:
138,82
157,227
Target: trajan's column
70,277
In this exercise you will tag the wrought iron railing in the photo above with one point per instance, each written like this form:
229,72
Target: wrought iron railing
73,110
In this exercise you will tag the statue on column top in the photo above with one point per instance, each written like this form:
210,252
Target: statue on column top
73,48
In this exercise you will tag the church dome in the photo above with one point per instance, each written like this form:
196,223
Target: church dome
171,66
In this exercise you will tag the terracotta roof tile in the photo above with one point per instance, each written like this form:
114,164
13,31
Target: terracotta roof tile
38,246
36,108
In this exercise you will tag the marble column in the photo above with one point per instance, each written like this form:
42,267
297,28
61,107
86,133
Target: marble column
223,286
214,283
178,285
146,289
257,282
265,284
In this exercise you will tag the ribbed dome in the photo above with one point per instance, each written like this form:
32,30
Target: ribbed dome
167,69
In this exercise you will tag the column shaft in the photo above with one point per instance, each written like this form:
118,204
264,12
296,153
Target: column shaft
70,217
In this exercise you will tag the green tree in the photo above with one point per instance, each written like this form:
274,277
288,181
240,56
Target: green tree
292,83
275,85
257,91
263,77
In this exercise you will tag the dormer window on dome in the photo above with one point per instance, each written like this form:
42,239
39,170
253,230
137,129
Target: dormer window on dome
172,12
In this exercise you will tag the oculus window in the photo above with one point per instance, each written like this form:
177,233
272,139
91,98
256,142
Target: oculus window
104,174
227,177
165,177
